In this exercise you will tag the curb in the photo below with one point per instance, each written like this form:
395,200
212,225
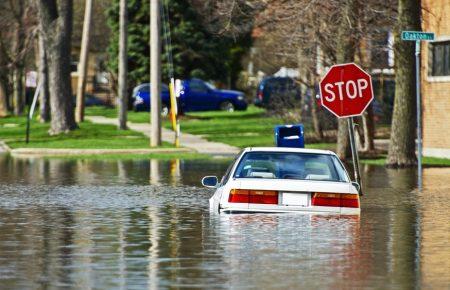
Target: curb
42,152
4,147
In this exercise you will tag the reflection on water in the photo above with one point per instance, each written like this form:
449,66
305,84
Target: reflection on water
145,224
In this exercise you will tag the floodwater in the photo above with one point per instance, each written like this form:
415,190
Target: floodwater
146,224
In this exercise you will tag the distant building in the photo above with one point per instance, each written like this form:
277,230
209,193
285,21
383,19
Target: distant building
435,69
284,72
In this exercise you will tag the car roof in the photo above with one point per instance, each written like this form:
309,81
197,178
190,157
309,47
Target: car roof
288,149
140,86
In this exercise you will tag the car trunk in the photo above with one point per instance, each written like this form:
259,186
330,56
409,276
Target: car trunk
290,195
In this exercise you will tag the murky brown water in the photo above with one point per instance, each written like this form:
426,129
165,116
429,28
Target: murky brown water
145,224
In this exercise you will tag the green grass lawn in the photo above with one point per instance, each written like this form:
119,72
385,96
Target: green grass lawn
427,161
241,128
135,117
88,136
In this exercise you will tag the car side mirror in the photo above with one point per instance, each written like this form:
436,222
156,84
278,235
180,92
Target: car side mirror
357,186
210,181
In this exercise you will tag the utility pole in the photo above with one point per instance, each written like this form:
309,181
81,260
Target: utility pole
82,66
418,36
123,65
155,73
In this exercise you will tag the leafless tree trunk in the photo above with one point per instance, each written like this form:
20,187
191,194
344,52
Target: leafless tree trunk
403,135
369,130
82,66
44,95
314,108
3,101
18,68
56,20
368,123
17,27
345,52
123,60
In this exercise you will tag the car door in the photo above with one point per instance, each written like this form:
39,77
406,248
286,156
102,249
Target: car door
197,96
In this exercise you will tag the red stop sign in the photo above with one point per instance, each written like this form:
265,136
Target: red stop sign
346,90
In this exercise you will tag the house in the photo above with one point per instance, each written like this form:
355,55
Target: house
435,74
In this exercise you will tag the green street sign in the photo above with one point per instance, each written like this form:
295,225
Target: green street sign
417,35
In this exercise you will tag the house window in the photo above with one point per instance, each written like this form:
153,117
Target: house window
73,66
440,58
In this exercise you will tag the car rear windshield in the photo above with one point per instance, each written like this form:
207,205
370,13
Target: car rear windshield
145,88
291,165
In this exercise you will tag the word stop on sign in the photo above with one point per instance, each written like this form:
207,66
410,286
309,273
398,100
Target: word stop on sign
346,90
349,89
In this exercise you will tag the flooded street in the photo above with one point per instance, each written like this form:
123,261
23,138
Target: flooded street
146,224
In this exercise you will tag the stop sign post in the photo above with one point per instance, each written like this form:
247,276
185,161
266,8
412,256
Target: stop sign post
346,91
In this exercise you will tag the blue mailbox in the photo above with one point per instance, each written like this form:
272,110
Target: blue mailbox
290,136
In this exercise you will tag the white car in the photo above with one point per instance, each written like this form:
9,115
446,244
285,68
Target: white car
281,179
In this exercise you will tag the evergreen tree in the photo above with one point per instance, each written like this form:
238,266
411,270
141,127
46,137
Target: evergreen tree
138,40
196,52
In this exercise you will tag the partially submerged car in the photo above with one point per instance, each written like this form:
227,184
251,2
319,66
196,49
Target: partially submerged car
282,179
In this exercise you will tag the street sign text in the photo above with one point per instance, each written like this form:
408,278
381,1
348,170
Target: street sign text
417,35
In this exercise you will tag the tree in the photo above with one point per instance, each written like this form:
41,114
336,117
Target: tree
197,51
17,31
138,61
3,103
18,65
347,40
3,93
4,83
313,34
56,21
402,141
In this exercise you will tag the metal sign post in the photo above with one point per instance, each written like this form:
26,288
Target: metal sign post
31,111
346,91
355,157
418,36
419,116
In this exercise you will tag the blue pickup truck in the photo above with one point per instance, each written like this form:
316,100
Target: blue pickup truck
195,95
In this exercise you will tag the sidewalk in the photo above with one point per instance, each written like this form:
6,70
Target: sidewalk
190,141
3,147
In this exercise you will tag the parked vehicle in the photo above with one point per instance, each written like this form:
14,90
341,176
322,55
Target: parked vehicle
282,91
195,95
90,100
141,98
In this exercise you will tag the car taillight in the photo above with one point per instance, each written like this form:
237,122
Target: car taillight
260,95
238,195
349,200
253,196
335,200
